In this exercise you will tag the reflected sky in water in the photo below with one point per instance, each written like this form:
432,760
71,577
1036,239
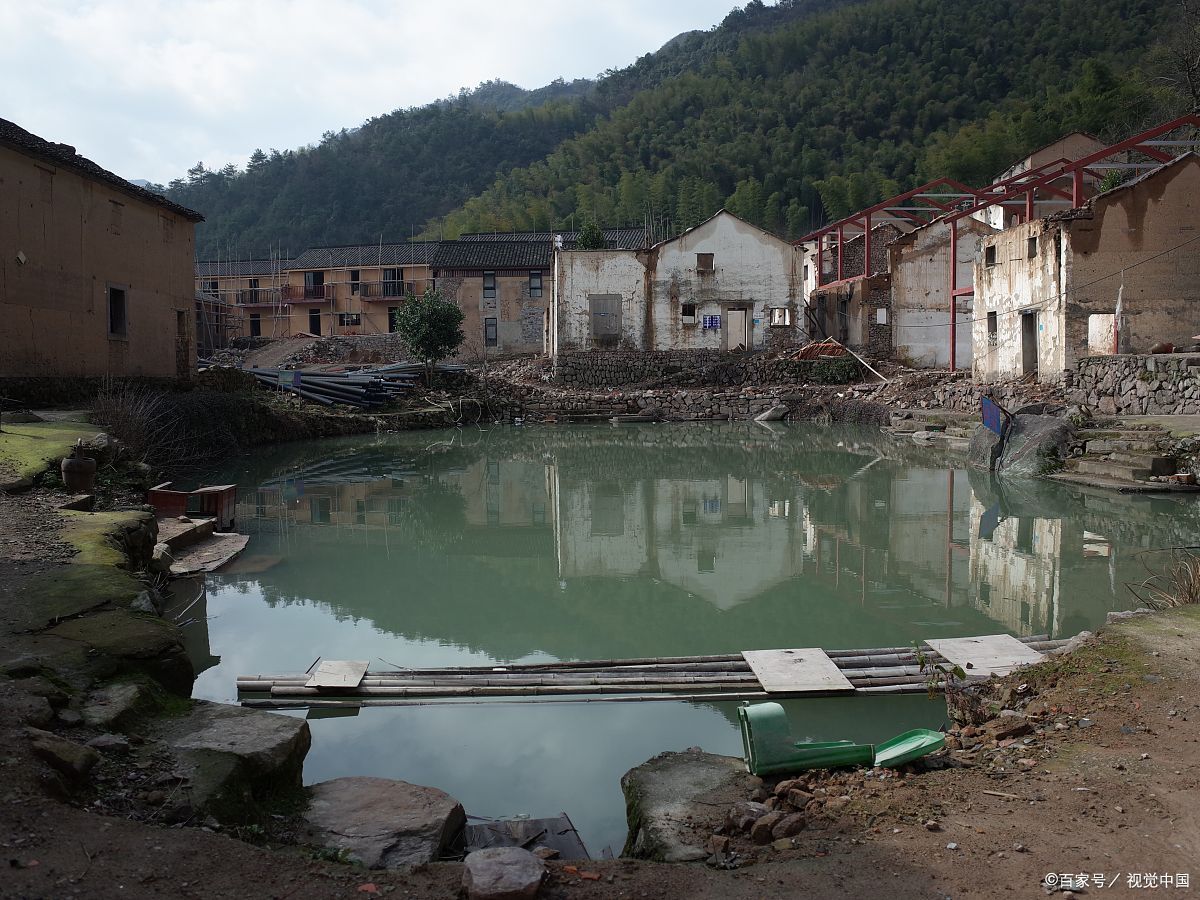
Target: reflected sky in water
459,548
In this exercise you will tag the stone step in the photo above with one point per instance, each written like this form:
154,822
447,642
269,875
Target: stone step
1108,469
1116,433
178,534
1154,463
1102,445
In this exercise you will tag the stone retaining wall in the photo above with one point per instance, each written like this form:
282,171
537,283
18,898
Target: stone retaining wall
506,400
610,368
1159,384
694,368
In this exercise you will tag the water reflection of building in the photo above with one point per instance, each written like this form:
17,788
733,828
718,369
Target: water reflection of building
1015,571
755,530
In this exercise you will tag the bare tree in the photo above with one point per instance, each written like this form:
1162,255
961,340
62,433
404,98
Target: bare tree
1179,55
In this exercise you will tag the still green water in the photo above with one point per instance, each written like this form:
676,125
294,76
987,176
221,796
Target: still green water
474,547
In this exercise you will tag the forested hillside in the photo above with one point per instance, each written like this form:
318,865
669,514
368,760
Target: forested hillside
788,115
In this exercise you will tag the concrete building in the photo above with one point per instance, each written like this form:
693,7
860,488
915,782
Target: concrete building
95,272
723,285
250,290
355,289
1047,291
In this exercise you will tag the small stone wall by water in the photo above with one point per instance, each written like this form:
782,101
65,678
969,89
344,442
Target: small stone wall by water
694,368
610,368
506,400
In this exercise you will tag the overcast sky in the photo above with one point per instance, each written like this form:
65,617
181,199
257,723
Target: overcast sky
148,87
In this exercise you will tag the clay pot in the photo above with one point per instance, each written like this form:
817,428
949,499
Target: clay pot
79,473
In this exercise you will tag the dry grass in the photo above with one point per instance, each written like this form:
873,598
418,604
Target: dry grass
1175,583
173,433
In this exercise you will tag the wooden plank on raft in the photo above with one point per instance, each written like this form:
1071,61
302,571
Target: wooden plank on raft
798,671
990,654
338,673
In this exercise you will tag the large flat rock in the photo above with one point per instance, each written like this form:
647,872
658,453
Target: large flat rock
235,760
384,824
670,797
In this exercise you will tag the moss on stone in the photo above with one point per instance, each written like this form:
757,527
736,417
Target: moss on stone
96,535
27,449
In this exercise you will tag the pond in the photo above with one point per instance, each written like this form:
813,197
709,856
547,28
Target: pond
473,547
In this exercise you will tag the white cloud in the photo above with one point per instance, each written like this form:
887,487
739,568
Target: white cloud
147,87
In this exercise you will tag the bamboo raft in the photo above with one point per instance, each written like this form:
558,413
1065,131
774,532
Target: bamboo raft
889,670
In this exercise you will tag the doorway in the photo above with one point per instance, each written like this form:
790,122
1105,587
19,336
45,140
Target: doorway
183,345
314,321
739,329
1029,343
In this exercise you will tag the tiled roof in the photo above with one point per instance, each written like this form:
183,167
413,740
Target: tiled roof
518,254
28,144
623,238
410,253
212,268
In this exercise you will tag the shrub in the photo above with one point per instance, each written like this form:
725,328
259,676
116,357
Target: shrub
174,433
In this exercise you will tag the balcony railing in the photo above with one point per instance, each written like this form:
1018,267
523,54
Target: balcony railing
256,296
293,293
390,290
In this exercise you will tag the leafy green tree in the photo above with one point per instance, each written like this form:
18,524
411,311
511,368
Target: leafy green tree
590,237
430,327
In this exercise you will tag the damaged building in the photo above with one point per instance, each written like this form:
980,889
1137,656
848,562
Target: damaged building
853,309
499,282
723,285
1120,274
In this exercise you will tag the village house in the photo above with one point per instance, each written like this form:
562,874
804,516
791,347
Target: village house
723,285
95,272
1053,290
250,291
356,289
501,282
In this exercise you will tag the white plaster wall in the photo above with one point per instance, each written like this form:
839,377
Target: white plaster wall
750,552
752,267
920,268
580,273
1017,283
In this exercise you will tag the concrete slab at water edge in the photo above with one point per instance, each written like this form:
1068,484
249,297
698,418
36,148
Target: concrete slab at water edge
382,823
663,792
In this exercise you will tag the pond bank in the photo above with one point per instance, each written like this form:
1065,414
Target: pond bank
115,852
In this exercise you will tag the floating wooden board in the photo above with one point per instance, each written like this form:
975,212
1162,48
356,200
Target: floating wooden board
796,671
338,673
991,654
